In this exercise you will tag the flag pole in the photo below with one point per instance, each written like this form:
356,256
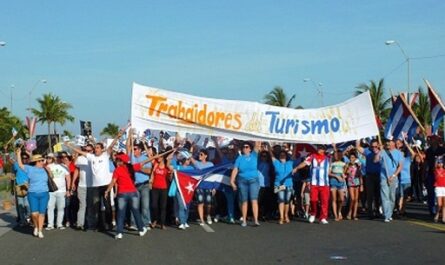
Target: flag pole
438,99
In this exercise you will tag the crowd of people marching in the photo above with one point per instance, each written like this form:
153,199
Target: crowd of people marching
99,188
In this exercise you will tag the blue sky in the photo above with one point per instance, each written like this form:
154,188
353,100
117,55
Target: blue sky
90,52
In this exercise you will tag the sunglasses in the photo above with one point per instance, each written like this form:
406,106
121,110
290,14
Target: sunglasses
374,146
246,146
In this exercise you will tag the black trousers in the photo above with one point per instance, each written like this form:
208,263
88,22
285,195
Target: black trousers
99,214
159,205
372,192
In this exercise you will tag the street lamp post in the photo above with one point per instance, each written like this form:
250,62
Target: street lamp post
390,42
318,86
43,81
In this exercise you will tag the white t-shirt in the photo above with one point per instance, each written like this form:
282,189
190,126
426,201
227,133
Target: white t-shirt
85,172
100,167
59,173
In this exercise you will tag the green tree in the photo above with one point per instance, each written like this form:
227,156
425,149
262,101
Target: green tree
7,122
380,102
277,97
52,110
68,133
111,130
422,108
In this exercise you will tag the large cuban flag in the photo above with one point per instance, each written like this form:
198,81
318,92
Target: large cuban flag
401,120
437,109
217,177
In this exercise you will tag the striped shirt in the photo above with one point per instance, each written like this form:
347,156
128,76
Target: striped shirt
319,169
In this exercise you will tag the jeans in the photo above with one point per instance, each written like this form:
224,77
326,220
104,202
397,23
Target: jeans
159,205
230,201
248,189
284,196
38,202
431,194
144,209
56,200
183,210
95,200
372,192
388,194
131,198
82,197
22,209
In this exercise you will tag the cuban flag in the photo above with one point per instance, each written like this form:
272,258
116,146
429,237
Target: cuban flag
217,177
401,120
436,107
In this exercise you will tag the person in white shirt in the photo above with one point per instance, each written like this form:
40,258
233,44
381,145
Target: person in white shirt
62,178
101,177
84,174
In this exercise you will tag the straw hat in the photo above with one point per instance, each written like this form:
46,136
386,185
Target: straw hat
36,158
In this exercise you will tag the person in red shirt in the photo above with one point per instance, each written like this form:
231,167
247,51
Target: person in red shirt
161,175
123,178
439,184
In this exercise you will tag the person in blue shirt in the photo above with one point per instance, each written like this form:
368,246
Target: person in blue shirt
405,176
183,163
245,177
266,195
142,178
38,194
391,162
21,179
283,184
204,196
372,182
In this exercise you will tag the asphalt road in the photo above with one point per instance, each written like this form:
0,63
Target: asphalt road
345,242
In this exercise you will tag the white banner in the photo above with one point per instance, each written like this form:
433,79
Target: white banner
160,109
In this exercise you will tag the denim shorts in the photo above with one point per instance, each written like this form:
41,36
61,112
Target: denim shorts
284,196
204,196
248,189
335,184
38,202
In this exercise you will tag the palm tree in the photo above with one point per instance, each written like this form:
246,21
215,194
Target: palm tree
379,102
52,110
111,130
7,122
68,133
277,97
422,108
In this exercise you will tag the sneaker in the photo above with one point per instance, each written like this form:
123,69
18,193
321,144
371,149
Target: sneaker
324,222
181,227
216,219
243,224
231,221
132,228
61,227
306,216
256,224
186,225
201,223
390,218
311,219
36,232
387,220
118,236
209,220
48,228
143,232
40,234
113,223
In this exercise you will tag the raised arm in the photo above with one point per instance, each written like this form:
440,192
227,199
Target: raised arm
359,148
19,158
75,149
128,143
119,135
257,146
